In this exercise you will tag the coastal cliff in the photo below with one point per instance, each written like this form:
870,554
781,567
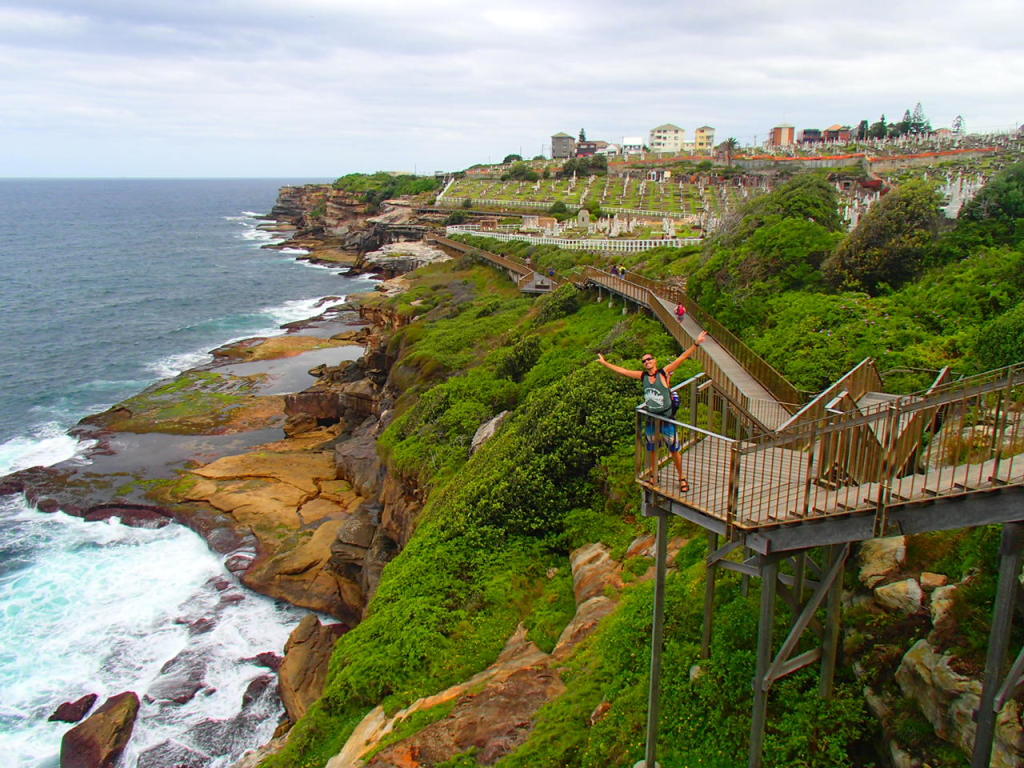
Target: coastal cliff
492,595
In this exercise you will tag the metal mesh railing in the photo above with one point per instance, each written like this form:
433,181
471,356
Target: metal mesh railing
962,438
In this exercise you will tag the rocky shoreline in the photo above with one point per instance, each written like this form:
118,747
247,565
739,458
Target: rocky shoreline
268,453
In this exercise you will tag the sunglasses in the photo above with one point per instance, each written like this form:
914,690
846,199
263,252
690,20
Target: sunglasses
646,359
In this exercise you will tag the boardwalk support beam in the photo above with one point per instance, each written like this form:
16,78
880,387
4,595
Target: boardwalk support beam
657,634
998,644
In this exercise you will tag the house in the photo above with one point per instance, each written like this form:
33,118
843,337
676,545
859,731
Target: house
562,146
704,139
810,135
781,136
632,145
838,133
659,174
609,151
588,148
667,138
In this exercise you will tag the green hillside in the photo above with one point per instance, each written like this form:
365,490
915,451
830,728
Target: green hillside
491,548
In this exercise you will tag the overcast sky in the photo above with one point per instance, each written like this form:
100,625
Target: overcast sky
318,88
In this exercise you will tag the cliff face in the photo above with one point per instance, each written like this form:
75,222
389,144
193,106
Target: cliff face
324,215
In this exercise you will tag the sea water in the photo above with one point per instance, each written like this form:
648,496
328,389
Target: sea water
108,286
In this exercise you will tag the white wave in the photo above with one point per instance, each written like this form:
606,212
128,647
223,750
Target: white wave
252,214
295,251
172,365
107,607
300,309
47,445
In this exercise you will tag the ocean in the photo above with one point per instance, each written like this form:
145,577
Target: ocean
109,286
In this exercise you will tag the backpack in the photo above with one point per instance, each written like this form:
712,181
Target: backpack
673,393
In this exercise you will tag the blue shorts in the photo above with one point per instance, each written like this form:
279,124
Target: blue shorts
668,431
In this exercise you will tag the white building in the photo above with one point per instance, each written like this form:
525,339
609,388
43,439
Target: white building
632,145
667,138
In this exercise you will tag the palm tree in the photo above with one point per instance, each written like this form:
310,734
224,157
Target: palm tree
730,145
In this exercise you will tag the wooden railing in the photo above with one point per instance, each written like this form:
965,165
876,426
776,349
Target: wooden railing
856,383
769,378
958,439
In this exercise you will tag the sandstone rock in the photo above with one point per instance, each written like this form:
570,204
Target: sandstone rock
401,508
267,659
171,753
301,470
303,576
486,431
256,689
99,740
592,571
357,461
945,697
941,607
254,502
583,623
320,508
313,407
931,581
880,558
73,711
304,669
904,596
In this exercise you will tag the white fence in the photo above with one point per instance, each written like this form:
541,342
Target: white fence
621,246
457,202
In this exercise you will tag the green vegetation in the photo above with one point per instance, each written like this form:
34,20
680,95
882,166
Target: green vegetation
490,548
380,186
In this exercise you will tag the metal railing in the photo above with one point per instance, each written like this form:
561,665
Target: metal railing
958,439
644,290
856,383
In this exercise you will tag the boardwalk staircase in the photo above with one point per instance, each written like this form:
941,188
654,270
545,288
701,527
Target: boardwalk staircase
795,481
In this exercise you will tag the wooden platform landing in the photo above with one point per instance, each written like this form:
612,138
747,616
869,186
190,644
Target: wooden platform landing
775,490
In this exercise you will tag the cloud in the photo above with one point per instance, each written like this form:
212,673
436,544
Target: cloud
329,86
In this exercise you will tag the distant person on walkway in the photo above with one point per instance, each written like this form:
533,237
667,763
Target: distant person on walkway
615,270
680,312
657,390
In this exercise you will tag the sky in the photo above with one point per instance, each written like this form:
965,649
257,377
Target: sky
319,88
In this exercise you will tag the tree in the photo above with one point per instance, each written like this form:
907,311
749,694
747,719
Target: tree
878,130
729,146
583,135
512,159
889,245
862,130
918,122
520,171
958,125
996,214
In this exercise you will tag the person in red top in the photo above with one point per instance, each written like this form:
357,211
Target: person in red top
657,384
680,312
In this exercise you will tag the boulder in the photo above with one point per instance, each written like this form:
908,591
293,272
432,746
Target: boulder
880,558
930,581
73,711
904,596
304,669
486,431
98,741
943,695
593,570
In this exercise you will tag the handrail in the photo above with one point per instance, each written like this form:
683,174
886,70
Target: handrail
954,440
767,376
857,382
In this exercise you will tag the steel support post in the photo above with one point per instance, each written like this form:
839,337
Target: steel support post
657,635
830,641
999,640
769,576
709,598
